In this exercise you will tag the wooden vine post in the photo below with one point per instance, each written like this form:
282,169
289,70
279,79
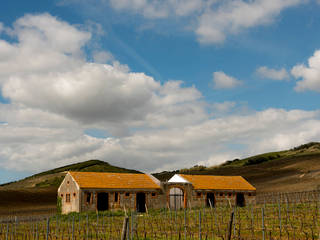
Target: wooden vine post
124,228
230,226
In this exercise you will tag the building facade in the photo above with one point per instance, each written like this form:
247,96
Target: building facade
92,191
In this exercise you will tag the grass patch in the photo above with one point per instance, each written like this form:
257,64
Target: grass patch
53,182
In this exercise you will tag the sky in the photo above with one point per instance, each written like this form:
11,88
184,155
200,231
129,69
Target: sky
155,84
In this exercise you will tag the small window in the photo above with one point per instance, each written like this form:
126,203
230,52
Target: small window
67,198
199,194
74,194
61,195
116,197
221,194
68,182
229,194
88,198
127,194
153,194
249,194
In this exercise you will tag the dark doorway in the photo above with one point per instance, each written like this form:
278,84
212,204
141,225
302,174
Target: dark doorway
141,202
103,201
210,200
240,200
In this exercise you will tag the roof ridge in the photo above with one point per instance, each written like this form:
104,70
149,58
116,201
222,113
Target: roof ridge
107,172
208,175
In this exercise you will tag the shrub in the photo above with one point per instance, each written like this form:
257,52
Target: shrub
305,146
59,205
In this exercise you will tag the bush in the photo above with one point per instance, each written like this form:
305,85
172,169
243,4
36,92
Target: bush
261,159
59,205
305,146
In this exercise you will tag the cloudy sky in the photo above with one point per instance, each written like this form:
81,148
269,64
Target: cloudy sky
155,85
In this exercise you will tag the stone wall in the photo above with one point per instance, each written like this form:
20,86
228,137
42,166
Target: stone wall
126,199
69,190
222,198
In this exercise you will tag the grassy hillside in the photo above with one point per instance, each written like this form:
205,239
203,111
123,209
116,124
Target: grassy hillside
54,177
38,193
297,169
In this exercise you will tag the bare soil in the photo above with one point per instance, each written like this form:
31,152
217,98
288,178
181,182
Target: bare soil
27,201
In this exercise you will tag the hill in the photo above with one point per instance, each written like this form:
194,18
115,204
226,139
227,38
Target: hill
54,177
297,169
38,193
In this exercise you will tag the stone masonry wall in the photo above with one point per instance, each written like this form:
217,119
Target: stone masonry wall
126,199
69,187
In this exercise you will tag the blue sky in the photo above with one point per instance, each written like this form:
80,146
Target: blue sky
155,85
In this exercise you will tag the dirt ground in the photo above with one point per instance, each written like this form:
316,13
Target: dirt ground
27,201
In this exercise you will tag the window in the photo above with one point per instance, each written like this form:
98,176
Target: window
68,182
127,194
88,197
229,194
199,194
74,194
153,194
67,197
116,197
221,194
249,194
61,195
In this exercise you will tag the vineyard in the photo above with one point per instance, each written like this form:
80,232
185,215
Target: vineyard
276,216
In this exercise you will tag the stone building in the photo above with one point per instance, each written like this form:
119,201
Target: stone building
91,191
95,191
210,191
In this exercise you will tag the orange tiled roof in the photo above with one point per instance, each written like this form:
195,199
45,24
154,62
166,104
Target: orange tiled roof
114,180
218,182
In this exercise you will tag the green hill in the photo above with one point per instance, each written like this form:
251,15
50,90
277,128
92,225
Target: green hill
54,177
39,192
297,169
289,170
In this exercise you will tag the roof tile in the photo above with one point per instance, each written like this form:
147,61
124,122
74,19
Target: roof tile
114,180
218,182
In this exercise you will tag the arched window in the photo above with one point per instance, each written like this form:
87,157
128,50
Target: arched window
176,198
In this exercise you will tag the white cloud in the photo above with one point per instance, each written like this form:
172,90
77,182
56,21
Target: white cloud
45,44
21,116
159,9
103,57
107,95
152,126
211,20
223,81
232,17
208,142
224,106
274,74
310,74
91,93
